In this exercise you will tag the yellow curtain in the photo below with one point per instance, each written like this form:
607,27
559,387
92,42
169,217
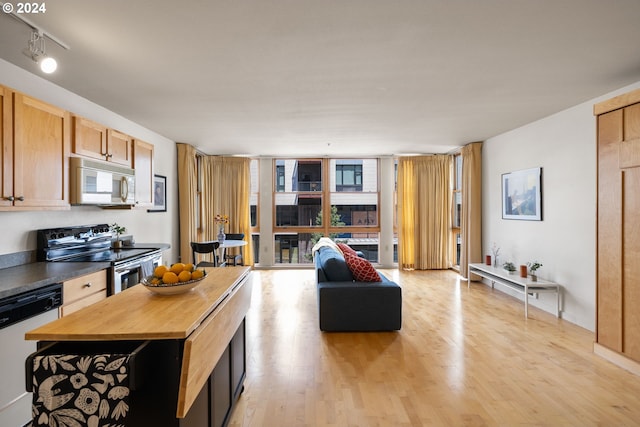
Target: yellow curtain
471,215
226,189
424,218
187,199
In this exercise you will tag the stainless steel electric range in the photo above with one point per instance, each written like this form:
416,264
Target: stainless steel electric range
93,243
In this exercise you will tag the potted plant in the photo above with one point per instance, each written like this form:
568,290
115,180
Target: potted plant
118,230
533,266
509,266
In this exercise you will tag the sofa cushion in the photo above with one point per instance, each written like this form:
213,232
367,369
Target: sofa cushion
334,265
361,268
346,248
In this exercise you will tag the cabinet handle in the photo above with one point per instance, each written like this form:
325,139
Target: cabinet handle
10,198
87,285
109,156
21,198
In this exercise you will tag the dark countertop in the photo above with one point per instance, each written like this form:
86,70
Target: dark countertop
27,277
22,278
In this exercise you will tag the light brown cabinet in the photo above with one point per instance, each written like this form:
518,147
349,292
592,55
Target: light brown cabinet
83,291
6,146
119,147
91,139
618,225
143,165
35,150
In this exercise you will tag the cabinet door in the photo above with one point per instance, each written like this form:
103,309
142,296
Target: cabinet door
89,138
119,148
42,141
618,326
221,390
238,361
143,165
6,147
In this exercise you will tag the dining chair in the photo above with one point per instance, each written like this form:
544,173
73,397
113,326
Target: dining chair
234,255
205,248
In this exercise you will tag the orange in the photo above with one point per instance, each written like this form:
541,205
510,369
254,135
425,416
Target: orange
184,276
188,267
177,267
170,278
160,270
197,274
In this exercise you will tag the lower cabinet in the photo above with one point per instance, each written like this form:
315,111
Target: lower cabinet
83,291
144,392
217,398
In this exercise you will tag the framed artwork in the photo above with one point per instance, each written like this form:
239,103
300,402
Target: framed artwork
522,195
159,194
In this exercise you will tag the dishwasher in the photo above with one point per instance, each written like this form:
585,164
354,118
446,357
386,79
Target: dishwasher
19,314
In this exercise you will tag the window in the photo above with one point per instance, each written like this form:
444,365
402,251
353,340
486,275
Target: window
254,168
280,176
344,190
349,177
457,210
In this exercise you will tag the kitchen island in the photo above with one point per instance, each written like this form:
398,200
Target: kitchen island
163,360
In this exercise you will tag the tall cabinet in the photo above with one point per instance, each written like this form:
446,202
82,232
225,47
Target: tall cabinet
618,230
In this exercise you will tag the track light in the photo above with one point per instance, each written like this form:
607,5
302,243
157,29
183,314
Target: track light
36,50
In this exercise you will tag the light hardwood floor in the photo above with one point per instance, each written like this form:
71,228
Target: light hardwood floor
464,357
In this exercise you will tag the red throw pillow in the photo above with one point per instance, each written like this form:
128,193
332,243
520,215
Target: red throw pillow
361,268
346,248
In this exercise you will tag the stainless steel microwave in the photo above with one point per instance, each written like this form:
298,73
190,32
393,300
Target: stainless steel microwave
98,183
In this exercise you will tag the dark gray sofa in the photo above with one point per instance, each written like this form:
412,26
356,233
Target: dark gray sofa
346,305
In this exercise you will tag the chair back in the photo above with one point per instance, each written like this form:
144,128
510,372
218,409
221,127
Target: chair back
233,255
205,248
236,236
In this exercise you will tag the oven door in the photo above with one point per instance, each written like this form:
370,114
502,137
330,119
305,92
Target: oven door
130,273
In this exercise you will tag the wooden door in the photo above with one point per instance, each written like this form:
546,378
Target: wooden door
6,147
143,165
630,170
619,230
119,148
89,138
42,141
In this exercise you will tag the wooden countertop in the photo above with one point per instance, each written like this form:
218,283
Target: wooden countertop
139,314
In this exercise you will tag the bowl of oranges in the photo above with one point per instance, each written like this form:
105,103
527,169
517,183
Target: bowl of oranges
175,279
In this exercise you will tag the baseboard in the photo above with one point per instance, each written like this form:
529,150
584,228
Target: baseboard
617,358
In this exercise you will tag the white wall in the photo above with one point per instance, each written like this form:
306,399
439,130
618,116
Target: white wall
17,228
564,145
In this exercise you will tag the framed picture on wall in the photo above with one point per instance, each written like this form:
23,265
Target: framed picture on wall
159,194
522,195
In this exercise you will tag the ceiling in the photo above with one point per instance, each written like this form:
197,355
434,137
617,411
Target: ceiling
335,77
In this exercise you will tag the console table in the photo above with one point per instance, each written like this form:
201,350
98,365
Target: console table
514,281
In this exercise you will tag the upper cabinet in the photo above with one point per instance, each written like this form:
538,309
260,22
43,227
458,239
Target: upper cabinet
143,165
36,141
35,150
6,146
94,140
119,148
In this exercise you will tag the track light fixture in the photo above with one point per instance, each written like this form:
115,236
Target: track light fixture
36,50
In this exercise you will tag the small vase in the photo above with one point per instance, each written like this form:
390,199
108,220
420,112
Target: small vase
117,244
488,260
523,271
534,278
221,235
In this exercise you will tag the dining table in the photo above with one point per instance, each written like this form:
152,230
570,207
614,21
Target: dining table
227,244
